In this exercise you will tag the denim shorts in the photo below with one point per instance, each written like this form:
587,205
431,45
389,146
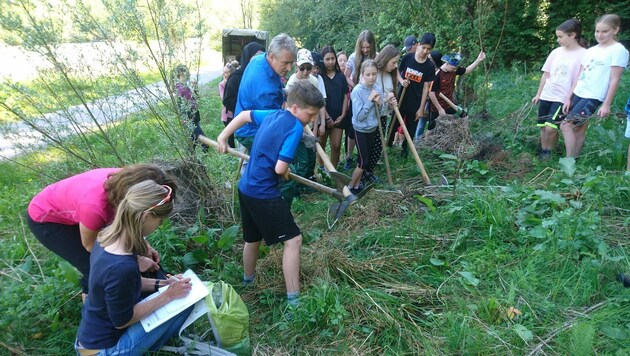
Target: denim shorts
582,109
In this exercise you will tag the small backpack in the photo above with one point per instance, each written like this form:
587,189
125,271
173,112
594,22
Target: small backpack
228,319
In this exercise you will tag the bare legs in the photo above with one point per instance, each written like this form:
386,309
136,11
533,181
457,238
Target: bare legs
290,262
548,138
574,137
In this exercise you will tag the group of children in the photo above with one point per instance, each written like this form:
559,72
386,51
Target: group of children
360,91
99,220
579,83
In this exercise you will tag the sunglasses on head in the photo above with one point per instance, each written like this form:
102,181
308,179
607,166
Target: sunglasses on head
306,67
165,200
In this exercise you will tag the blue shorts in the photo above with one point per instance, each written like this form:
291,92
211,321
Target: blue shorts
268,219
582,109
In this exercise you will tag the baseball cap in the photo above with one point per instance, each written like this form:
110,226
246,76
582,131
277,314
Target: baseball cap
452,58
409,42
304,56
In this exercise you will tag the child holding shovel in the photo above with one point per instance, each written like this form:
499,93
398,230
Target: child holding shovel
418,72
444,84
367,108
387,78
265,215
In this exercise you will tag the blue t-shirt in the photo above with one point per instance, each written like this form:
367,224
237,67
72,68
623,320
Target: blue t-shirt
260,89
115,284
278,136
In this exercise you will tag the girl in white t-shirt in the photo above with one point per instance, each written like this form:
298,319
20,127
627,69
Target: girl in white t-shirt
560,73
599,77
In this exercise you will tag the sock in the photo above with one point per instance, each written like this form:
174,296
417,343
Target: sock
293,298
248,280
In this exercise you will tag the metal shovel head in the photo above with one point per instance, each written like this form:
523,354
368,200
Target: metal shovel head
340,179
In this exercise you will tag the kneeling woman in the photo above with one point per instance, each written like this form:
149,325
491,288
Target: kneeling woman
109,323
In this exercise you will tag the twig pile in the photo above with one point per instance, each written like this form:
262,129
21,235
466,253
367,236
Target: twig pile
451,135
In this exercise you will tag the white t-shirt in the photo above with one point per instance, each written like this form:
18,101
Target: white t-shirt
317,82
595,78
320,85
563,67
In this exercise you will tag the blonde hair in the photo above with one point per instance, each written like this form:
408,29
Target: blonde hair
232,66
612,20
141,198
364,36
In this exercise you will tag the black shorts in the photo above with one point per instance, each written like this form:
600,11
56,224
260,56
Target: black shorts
268,219
549,114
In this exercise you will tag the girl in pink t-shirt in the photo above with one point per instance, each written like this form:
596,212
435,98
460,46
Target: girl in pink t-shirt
66,216
560,73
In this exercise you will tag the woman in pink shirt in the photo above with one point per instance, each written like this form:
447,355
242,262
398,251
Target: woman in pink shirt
66,216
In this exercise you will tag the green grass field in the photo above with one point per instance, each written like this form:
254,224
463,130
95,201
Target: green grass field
515,256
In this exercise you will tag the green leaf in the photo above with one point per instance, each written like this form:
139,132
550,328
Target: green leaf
523,332
538,232
546,195
192,230
567,166
576,204
469,278
426,201
200,239
449,156
614,333
189,259
200,255
436,261
227,237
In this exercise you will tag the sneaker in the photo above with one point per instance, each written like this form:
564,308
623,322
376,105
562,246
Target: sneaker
349,164
370,177
357,190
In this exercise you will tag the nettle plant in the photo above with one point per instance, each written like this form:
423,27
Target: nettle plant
562,219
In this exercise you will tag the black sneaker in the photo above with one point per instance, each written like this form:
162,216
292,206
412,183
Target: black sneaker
370,177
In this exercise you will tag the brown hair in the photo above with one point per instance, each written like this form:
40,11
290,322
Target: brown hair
573,26
117,184
364,36
384,56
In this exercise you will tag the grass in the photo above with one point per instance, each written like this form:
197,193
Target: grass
429,271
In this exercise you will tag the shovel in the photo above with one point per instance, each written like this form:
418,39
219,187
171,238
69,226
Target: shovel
412,147
460,111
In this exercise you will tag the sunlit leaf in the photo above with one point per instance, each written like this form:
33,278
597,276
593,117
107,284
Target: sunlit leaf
523,332
469,278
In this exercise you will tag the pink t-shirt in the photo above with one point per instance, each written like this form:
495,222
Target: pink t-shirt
563,67
77,199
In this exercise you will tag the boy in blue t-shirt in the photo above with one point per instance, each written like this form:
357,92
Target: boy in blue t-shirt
264,213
